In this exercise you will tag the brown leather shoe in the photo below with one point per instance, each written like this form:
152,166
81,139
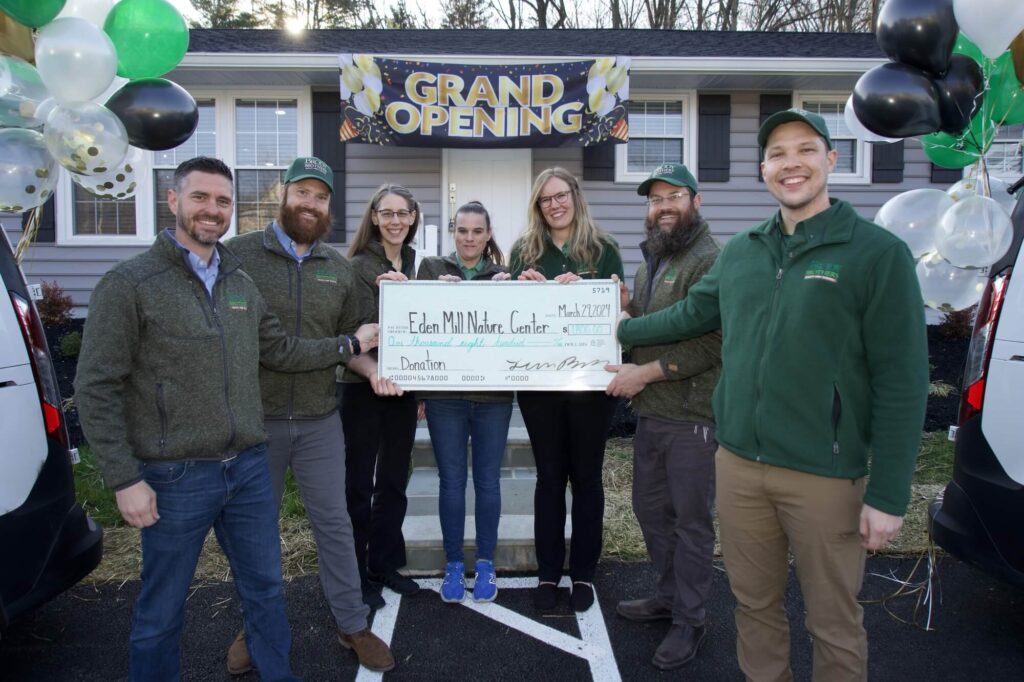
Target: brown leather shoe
373,653
238,655
643,610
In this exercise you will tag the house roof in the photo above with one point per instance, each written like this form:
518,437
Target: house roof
555,43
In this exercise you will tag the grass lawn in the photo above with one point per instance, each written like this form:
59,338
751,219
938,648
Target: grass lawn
622,538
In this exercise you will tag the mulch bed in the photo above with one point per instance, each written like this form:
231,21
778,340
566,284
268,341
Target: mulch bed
945,355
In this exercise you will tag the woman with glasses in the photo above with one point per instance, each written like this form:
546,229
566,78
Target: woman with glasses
480,417
378,419
567,429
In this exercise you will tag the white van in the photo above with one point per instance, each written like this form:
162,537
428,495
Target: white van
979,518
49,542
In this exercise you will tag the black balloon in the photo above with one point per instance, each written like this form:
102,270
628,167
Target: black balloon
961,91
896,100
157,113
919,33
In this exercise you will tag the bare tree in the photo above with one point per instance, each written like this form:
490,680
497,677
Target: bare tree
465,13
626,13
222,14
509,12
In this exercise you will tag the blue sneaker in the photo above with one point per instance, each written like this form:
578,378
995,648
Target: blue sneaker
485,587
453,587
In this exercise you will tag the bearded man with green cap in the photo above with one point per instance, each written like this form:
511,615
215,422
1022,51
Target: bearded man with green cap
820,406
310,287
670,387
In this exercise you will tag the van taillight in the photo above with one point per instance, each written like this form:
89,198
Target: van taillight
42,367
976,370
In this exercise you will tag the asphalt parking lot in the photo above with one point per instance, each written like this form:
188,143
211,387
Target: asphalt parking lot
978,633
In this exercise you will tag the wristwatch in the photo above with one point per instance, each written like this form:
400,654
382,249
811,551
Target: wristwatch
354,343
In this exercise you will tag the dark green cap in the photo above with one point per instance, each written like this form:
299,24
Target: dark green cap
310,167
788,116
672,173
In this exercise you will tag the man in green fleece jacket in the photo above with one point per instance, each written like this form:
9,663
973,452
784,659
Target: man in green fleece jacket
674,447
311,289
820,405
168,394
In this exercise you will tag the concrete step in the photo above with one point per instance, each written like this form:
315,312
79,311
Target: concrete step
517,449
515,550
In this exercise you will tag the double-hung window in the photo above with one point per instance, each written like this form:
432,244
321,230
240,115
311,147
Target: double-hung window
853,164
661,130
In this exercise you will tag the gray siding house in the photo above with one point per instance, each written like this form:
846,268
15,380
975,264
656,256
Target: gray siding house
268,96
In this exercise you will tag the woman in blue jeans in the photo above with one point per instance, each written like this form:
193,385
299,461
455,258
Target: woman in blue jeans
455,418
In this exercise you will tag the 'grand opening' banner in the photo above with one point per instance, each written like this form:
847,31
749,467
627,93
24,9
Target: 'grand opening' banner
426,104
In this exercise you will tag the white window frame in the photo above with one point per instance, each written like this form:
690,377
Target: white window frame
224,112
861,148
1013,177
688,100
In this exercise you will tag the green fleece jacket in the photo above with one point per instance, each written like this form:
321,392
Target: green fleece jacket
168,373
691,367
824,352
368,266
313,299
554,261
432,268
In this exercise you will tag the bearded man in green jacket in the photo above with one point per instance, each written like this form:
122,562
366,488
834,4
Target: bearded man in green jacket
824,380
670,387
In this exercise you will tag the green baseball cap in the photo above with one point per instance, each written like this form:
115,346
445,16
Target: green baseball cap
310,167
788,116
672,173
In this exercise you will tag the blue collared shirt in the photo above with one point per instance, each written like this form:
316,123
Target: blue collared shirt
206,272
288,244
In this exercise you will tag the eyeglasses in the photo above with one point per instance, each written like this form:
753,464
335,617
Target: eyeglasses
559,199
673,198
388,215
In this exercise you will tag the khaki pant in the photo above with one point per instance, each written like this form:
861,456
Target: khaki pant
764,513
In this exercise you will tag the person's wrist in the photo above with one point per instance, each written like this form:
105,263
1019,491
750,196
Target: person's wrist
357,348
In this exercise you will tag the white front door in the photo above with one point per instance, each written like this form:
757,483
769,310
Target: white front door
500,179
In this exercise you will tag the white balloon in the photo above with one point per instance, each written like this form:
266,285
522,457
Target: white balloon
858,129
88,139
990,24
914,216
28,173
120,183
76,60
974,233
93,11
21,91
973,185
946,288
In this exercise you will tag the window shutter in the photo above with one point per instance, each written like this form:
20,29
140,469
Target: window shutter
946,176
328,147
771,104
887,162
713,113
599,162
47,233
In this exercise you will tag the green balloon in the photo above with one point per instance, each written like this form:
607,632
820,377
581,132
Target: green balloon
947,151
151,37
32,13
1005,102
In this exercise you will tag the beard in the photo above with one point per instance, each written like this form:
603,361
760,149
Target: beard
205,236
669,243
303,233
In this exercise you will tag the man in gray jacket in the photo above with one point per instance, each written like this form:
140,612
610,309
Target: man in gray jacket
673,450
168,394
311,288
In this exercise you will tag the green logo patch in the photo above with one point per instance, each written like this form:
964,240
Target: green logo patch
326,276
821,270
237,302
670,275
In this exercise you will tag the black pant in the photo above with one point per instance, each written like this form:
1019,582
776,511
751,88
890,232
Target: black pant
379,435
567,434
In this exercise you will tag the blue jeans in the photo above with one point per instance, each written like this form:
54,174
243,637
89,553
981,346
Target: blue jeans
452,423
235,499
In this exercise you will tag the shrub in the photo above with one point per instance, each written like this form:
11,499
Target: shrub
55,307
958,324
70,344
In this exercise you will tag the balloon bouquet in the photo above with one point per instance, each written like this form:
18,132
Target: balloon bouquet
956,76
93,101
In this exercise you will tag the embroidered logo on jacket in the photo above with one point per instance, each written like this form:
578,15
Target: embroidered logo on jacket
821,270
237,302
326,276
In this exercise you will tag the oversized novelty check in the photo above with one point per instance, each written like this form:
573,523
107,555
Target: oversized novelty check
498,335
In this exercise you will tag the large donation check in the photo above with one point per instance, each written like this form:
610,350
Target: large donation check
498,335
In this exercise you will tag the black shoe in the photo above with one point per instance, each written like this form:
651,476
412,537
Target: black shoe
396,582
582,596
372,596
545,597
679,647
643,610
